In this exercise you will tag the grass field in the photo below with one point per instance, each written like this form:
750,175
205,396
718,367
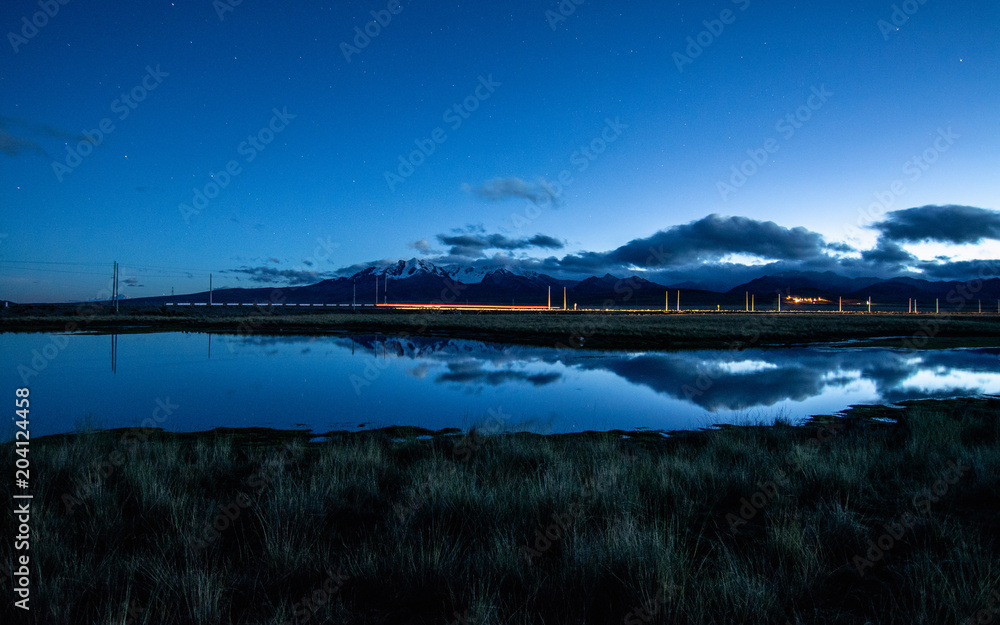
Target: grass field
572,329
851,520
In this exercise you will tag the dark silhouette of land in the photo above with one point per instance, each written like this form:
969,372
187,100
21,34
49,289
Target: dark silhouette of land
597,330
880,516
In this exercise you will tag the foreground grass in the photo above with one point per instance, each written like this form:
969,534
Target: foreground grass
765,524
613,330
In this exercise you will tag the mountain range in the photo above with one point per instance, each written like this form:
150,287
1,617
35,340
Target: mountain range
419,282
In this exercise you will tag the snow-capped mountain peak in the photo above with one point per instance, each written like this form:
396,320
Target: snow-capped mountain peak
409,268
476,273
402,269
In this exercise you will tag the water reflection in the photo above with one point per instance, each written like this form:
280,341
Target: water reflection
718,380
332,383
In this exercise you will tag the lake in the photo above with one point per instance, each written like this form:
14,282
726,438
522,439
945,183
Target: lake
195,381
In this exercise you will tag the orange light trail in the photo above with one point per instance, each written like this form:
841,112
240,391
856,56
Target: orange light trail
463,307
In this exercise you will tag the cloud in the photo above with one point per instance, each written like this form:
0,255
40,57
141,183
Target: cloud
945,224
133,282
474,373
422,246
705,240
474,245
888,254
960,270
15,146
271,275
12,145
547,242
701,251
710,251
498,189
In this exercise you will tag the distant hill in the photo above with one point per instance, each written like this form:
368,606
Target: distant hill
806,282
419,282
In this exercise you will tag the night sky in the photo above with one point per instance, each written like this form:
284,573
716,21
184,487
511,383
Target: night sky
565,138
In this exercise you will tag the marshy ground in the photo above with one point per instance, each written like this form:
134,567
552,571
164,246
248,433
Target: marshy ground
880,516
593,330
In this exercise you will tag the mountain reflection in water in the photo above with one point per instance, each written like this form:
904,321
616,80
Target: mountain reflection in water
337,383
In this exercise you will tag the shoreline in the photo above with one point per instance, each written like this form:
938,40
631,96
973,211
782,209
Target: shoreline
262,435
846,519
562,329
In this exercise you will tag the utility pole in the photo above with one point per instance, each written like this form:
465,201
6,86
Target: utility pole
564,300
869,304
678,300
937,307
666,302
841,303
753,303
376,289
549,305
209,289
116,285
748,301
779,302
354,297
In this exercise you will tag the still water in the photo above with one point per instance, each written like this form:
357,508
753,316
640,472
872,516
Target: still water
194,382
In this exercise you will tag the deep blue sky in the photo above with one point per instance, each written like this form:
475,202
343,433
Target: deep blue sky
322,181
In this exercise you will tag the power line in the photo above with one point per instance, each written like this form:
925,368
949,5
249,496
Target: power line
167,272
50,262
86,273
